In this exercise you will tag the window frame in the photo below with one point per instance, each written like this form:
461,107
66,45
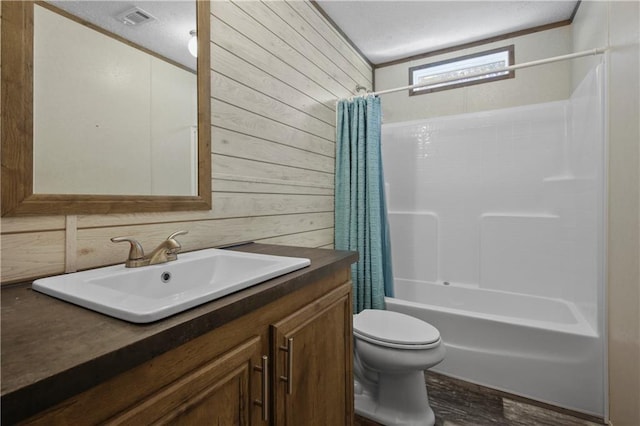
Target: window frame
511,74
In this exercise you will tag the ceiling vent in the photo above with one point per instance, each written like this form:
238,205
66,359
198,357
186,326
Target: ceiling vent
135,16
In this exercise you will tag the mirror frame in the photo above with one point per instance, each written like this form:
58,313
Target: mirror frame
16,77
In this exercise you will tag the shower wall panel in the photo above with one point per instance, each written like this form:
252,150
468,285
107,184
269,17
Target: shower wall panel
504,200
519,254
463,167
418,233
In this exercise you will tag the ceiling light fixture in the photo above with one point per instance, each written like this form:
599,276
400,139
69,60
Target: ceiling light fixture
193,44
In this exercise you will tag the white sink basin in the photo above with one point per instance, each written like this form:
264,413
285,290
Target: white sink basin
154,292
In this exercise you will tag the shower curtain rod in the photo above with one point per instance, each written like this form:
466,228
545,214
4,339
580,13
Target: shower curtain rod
590,52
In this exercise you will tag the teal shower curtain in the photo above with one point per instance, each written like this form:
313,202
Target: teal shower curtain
360,208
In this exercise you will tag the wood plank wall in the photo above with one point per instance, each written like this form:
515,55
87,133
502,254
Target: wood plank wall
277,69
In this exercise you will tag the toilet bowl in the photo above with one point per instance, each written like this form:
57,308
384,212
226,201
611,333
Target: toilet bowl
391,352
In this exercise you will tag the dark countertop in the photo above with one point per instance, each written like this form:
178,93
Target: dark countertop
52,350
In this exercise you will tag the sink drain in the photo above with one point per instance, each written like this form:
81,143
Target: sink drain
165,277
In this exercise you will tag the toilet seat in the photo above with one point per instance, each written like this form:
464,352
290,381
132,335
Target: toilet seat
394,330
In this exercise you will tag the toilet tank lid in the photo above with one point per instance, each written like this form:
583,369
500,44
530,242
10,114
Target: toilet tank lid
394,327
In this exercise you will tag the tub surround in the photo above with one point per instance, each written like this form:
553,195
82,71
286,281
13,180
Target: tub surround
53,350
500,224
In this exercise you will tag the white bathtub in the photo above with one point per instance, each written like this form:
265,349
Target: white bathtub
536,347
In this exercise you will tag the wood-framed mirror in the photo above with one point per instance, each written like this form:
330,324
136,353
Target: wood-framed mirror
17,112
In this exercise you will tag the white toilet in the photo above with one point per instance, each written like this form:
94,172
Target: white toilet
391,351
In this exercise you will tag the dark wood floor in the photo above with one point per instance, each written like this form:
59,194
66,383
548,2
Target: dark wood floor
459,403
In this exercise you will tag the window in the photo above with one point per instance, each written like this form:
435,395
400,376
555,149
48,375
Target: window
462,67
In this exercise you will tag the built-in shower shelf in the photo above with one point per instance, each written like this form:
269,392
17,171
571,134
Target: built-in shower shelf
567,178
520,215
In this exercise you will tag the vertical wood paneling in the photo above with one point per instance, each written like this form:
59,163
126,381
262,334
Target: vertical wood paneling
277,70
337,53
242,46
317,238
240,120
280,26
270,172
94,246
226,142
324,30
32,254
259,32
230,91
71,241
227,63
255,187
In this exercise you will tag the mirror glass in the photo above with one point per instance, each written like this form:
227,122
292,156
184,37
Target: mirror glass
114,98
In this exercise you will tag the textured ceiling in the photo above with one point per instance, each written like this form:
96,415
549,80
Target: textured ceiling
168,36
383,30
388,30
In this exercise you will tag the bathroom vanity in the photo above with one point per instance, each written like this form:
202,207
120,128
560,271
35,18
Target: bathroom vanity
278,353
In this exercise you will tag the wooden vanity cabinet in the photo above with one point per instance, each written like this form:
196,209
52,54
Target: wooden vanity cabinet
313,363
218,393
302,339
186,386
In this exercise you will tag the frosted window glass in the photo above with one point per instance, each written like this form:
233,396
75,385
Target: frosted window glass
462,70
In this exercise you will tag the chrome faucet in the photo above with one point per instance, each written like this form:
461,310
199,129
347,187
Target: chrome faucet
166,251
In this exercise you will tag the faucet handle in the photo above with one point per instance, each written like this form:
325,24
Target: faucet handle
175,234
135,252
175,245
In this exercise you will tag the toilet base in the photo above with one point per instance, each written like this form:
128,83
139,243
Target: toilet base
407,408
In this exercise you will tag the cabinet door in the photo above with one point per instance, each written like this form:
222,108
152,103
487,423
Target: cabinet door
228,390
313,363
